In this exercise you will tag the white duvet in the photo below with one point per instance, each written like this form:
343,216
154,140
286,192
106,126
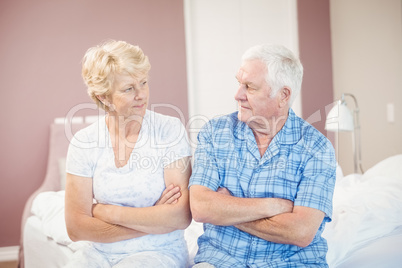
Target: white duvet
49,208
366,207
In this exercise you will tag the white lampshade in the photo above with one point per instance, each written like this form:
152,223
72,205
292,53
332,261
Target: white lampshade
339,118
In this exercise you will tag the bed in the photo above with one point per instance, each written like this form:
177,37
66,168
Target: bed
366,230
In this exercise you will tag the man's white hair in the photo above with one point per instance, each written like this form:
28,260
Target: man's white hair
284,69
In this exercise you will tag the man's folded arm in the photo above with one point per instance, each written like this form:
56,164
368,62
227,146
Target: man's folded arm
296,228
220,208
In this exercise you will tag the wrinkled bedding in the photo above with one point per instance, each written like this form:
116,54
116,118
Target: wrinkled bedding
366,208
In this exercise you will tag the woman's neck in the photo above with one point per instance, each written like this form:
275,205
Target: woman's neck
124,127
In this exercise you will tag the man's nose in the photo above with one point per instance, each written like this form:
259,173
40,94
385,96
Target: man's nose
240,93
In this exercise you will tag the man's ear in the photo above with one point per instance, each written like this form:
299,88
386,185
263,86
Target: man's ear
284,94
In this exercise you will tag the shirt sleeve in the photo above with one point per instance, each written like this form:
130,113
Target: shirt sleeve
174,136
317,184
205,168
78,160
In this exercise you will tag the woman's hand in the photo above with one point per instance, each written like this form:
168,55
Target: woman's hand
98,210
169,213
169,196
104,212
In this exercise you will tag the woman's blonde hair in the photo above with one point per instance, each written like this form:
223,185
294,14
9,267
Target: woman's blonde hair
101,63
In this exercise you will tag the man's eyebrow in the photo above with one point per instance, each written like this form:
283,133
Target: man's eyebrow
247,82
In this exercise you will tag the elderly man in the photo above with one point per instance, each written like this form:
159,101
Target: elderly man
263,178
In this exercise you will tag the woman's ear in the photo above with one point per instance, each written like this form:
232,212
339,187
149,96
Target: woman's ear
101,98
285,94
104,100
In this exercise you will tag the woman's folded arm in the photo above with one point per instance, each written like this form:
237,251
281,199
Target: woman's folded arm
171,212
80,223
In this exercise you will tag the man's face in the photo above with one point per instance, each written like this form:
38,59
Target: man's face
256,107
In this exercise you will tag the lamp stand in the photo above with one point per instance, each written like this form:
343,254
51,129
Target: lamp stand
356,139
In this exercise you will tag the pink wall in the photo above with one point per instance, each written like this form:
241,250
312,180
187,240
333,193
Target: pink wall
42,43
315,54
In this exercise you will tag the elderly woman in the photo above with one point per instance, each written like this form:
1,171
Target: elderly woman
134,163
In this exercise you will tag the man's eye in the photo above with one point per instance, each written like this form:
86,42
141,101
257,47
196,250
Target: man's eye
129,89
144,82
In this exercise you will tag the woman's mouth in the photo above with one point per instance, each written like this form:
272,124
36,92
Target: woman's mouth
139,106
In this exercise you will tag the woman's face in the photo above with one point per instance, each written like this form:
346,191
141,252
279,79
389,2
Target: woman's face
129,95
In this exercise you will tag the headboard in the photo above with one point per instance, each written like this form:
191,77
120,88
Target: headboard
61,132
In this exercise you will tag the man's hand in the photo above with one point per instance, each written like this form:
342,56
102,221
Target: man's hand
278,207
282,206
220,207
281,229
223,190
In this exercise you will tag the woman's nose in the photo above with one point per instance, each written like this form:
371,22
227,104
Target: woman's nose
139,94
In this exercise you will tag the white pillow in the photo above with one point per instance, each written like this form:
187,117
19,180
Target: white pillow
390,167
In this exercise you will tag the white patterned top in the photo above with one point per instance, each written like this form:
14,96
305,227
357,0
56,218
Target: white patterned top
162,140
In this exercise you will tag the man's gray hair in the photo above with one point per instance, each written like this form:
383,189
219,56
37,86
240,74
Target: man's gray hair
284,69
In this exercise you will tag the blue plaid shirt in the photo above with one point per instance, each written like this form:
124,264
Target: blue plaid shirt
298,165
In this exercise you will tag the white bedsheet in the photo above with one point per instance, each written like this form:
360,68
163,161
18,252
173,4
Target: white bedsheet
385,251
41,250
366,208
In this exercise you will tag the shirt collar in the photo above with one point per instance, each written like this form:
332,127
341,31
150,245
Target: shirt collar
291,131
241,129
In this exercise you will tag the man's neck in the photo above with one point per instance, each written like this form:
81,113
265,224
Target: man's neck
264,133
